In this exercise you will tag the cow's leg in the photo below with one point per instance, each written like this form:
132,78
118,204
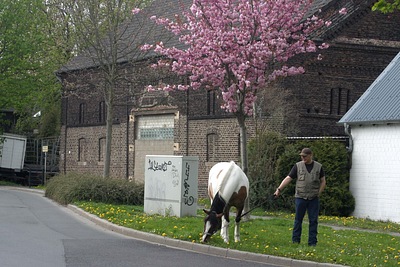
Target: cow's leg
237,231
224,230
225,224
237,224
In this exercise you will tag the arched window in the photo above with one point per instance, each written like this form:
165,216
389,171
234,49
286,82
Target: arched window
82,150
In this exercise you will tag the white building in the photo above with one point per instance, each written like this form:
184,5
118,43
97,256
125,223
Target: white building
373,124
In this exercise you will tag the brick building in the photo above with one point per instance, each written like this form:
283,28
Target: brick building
191,123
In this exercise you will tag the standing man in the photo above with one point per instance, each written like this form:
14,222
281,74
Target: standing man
310,183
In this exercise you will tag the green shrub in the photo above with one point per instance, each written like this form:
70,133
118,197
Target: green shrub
271,159
71,187
337,199
263,153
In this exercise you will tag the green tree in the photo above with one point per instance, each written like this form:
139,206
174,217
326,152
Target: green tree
386,6
29,56
101,31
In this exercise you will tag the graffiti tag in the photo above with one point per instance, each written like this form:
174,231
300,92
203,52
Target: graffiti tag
188,200
156,166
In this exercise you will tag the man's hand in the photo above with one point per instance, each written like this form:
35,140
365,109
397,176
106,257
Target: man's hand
277,193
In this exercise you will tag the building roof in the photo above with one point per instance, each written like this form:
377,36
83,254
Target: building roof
137,33
380,104
329,11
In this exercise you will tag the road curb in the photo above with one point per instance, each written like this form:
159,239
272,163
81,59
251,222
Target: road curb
196,247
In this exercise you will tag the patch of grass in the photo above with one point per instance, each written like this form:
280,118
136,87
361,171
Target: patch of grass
351,222
269,236
41,187
8,183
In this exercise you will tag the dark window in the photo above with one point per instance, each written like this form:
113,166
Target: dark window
82,149
239,147
102,111
82,111
211,102
339,103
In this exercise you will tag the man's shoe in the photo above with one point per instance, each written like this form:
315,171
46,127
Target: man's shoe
312,245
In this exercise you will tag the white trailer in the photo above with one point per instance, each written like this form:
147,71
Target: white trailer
12,151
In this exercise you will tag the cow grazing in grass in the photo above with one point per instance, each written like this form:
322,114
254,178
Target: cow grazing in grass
227,186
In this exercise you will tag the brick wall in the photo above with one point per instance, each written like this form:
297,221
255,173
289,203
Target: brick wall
92,163
225,146
375,180
331,86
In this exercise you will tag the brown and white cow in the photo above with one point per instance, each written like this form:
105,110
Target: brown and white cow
227,186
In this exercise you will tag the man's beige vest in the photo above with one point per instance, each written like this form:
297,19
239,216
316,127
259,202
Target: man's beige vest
308,183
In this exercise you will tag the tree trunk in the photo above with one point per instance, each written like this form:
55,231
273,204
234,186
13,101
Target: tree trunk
109,125
243,142
243,157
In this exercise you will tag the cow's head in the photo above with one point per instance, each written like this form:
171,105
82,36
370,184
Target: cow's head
212,223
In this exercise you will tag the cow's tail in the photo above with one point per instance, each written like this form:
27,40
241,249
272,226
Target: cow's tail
224,174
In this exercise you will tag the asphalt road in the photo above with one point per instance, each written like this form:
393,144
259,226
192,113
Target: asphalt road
35,231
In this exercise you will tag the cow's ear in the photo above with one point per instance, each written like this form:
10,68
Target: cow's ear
220,215
206,211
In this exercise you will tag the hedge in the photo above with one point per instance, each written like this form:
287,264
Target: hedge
271,157
71,187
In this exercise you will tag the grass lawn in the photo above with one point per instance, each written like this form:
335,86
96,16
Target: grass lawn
341,240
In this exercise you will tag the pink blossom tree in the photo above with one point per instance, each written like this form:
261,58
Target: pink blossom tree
238,47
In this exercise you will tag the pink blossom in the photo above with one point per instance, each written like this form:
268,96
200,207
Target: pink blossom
183,87
135,11
328,23
343,11
146,47
323,46
150,88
